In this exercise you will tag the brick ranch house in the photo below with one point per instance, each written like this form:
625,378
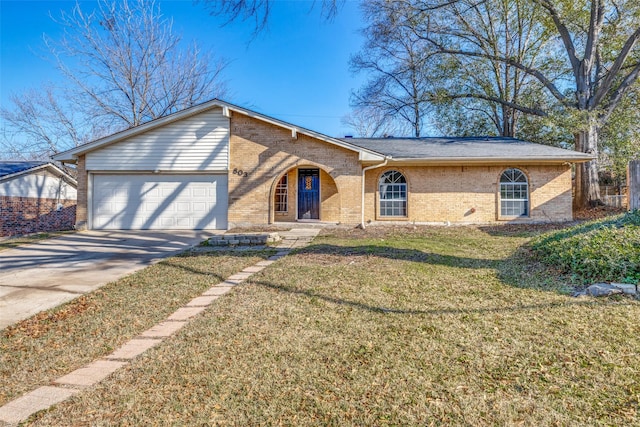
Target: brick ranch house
35,197
217,166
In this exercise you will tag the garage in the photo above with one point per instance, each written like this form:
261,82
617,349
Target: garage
158,202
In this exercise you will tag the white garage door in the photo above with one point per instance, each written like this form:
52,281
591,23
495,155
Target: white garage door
157,202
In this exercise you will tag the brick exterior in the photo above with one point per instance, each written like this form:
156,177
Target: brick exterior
81,211
261,153
469,194
266,152
26,215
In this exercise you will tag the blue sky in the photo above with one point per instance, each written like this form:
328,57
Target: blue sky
296,71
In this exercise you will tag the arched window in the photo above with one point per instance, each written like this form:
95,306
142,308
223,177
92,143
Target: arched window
393,194
514,193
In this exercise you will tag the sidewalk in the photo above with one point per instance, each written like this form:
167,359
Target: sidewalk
66,386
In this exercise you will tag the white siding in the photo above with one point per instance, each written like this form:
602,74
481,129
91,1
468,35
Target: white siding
41,185
196,143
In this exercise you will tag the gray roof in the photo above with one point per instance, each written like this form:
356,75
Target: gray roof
11,167
467,148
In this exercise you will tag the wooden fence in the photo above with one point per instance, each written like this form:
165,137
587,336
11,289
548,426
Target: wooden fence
618,201
633,183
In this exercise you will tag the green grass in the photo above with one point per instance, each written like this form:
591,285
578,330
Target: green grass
55,342
433,326
601,250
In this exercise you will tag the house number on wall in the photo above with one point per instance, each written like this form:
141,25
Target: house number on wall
240,172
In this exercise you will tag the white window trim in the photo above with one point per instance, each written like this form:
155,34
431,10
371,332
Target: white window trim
381,200
500,186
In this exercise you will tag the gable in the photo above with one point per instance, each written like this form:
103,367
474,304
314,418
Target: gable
195,143
154,130
40,184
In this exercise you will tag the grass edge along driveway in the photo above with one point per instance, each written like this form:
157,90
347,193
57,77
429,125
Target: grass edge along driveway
54,342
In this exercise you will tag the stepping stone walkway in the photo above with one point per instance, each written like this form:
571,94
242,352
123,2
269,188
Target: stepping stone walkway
63,388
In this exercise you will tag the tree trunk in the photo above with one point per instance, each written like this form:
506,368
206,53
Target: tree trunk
587,192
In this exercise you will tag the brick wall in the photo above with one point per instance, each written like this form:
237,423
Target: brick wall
81,211
266,152
25,215
470,193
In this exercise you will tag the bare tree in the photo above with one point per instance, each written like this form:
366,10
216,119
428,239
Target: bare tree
259,11
43,122
405,69
397,65
123,66
497,91
369,122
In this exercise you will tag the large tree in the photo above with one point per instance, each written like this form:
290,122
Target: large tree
592,68
487,90
122,65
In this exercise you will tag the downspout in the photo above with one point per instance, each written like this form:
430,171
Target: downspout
364,170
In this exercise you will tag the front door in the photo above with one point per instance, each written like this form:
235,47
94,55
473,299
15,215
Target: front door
308,194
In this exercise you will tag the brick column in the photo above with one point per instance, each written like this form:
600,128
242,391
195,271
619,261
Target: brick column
81,210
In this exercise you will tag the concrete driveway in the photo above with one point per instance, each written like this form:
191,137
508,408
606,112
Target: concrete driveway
48,273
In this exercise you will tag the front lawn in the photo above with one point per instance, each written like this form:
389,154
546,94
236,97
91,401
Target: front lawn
55,342
427,326
452,326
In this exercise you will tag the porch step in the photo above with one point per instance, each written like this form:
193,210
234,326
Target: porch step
244,239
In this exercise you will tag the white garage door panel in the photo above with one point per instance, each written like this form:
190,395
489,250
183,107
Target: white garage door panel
140,202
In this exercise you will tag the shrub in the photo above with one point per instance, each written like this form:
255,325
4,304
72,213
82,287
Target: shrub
602,250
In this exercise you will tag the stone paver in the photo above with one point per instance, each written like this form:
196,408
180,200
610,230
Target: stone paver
185,313
202,301
163,329
240,276
233,282
41,398
91,374
218,290
21,408
133,348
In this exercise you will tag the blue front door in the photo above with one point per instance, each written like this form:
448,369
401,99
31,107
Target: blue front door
308,194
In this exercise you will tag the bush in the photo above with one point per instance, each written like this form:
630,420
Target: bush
603,250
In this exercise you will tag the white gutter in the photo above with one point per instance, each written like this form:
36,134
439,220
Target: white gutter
364,170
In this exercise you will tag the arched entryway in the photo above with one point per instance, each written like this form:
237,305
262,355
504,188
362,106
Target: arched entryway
305,193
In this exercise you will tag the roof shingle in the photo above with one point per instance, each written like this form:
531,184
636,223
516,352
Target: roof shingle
11,167
464,148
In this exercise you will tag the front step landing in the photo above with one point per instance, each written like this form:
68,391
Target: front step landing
244,239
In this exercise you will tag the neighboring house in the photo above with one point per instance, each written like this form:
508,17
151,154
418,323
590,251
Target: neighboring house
35,197
217,165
